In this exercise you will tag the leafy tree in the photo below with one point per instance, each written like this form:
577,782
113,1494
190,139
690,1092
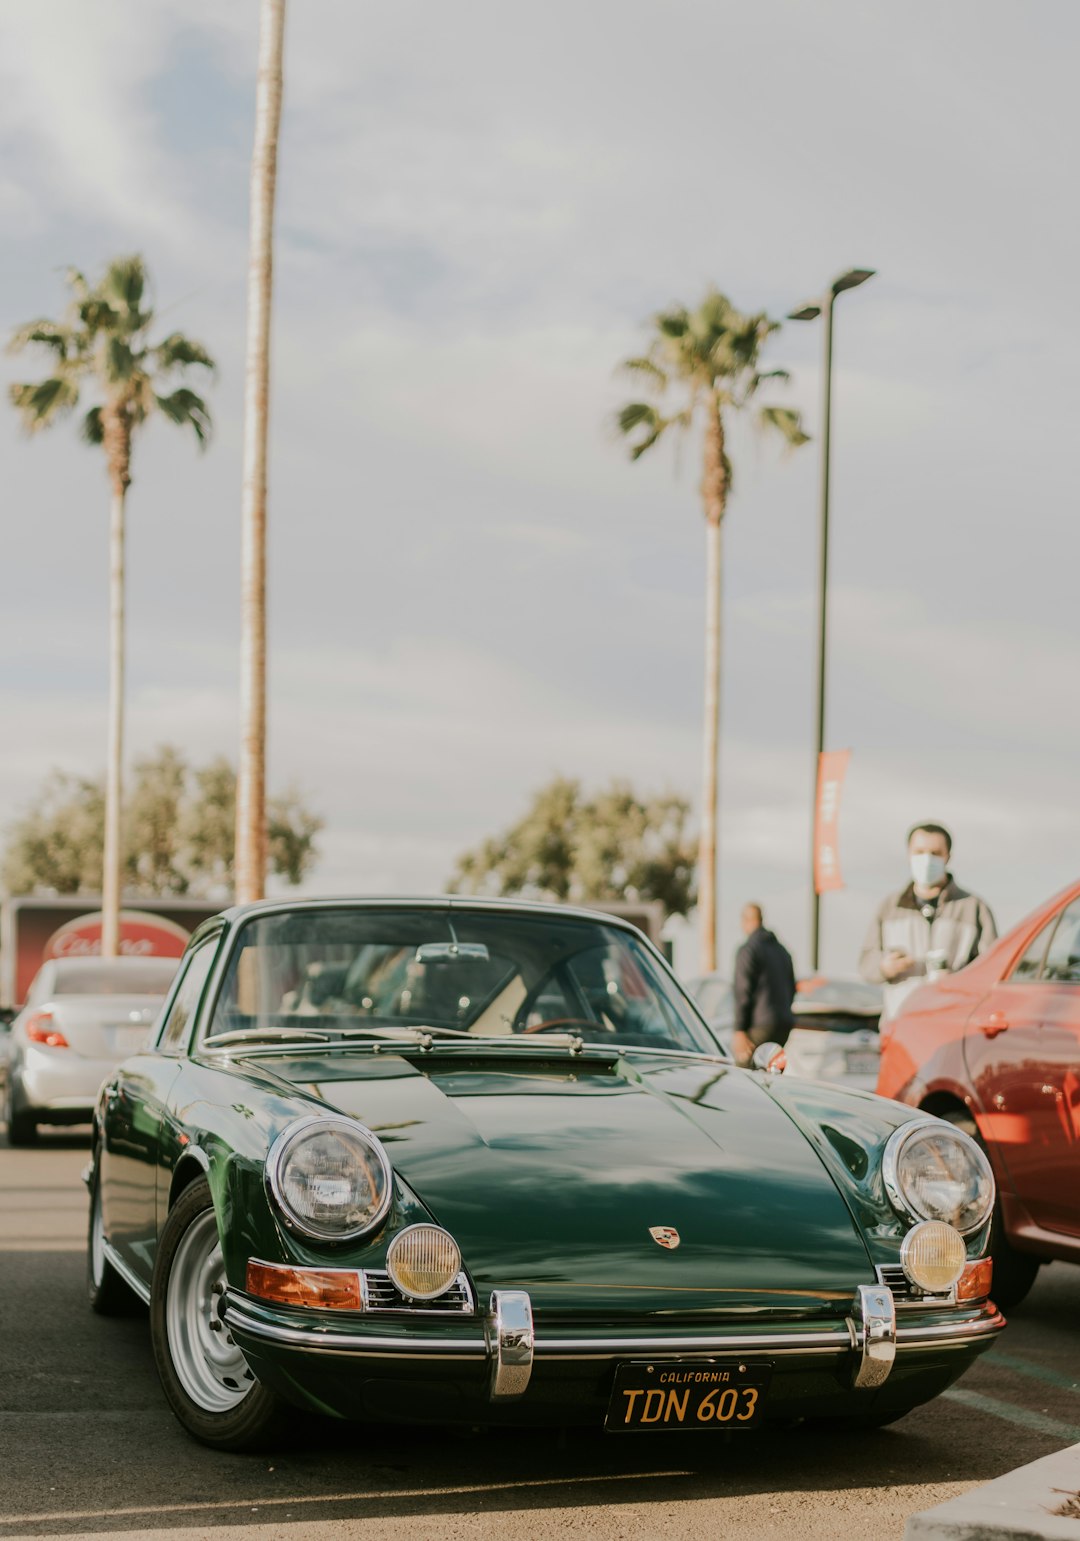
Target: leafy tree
178,832
707,360
153,855
103,344
56,844
569,847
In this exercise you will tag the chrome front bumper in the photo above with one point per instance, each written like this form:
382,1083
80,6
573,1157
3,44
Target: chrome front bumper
868,1342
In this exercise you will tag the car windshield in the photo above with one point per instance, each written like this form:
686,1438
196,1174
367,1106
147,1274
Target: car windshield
115,976
481,973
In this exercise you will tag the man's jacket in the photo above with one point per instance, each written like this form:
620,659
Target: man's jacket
764,987
962,928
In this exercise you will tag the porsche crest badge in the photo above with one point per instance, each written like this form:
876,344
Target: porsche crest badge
665,1236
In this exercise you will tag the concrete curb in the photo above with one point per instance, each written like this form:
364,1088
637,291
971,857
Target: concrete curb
1022,1506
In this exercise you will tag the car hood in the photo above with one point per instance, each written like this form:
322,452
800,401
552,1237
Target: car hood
552,1173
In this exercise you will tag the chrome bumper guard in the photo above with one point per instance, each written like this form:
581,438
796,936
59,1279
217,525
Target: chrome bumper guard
869,1340
874,1327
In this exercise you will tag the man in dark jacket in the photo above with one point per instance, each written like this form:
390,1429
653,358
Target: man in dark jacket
764,988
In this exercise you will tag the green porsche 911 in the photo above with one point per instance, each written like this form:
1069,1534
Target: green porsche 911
454,1160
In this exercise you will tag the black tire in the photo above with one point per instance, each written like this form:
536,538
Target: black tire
1014,1272
207,1384
105,1289
21,1123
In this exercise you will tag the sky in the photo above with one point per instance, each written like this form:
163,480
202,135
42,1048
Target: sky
471,588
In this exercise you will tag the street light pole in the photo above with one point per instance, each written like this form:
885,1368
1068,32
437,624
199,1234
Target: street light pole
810,312
823,618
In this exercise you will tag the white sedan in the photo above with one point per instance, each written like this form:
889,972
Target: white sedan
82,1017
835,1037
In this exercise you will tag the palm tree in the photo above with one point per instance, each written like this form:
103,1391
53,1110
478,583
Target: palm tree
103,344
251,814
708,358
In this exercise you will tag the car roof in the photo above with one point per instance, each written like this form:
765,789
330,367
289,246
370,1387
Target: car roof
438,902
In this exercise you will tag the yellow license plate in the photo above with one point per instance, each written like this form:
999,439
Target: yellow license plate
725,1394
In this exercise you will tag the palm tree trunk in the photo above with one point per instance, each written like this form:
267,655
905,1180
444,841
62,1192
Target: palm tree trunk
251,777
110,881
714,494
708,895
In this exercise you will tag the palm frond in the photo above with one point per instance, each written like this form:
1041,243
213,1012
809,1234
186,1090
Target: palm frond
641,415
50,334
187,409
787,423
646,443
118,361
76,282
633,415
123,288
674,322
648,367
42,403
177,351
92,429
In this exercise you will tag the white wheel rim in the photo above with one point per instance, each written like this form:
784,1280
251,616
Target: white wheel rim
211,1368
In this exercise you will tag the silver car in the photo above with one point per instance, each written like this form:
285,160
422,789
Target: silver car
82,1017
835,1036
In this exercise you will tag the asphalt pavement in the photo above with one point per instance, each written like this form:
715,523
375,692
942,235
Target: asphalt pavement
88,1447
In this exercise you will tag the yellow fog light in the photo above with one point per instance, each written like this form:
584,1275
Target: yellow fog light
423,1261
933,1256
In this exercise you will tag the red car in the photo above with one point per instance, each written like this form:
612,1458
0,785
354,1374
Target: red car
995,1048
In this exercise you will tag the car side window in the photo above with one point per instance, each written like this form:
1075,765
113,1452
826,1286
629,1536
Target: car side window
1030,964
188,994
1063,957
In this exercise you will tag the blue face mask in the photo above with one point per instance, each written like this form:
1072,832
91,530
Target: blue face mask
927,870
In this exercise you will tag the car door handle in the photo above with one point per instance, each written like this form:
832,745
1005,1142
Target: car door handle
994,1024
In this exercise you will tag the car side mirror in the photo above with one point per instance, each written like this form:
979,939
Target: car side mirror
769,1056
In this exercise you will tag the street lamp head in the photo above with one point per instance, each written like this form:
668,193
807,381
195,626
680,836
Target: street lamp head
852,279
808,312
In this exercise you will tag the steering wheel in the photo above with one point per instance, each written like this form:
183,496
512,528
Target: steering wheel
542,1027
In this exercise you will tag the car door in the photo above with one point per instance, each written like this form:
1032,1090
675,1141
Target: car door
1003,1050
1057,1205
135,1101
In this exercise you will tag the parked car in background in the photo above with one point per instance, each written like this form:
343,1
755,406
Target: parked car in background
835,1037
82,1017
467,1161
715,999
995,1049
7,1016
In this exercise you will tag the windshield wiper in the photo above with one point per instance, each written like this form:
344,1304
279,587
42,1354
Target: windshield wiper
392,1031
266,1035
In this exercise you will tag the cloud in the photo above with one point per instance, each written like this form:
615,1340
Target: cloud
470,586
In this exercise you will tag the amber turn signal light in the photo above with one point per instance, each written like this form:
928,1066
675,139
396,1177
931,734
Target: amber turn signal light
974,1282
338,1288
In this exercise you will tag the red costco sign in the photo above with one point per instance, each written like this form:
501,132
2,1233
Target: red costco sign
141,936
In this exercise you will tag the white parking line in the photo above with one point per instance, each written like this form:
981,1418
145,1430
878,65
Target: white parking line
1039,1423
441,1491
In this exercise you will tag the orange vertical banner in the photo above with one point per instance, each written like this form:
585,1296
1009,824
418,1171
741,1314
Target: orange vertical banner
832,767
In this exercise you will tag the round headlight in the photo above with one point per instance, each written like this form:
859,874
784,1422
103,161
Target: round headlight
933,1256
330,1178
423,1261
935,1172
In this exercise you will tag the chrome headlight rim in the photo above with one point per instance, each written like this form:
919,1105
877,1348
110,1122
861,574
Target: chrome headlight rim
890,1171
274,1172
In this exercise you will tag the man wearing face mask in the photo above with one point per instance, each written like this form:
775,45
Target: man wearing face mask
930,925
